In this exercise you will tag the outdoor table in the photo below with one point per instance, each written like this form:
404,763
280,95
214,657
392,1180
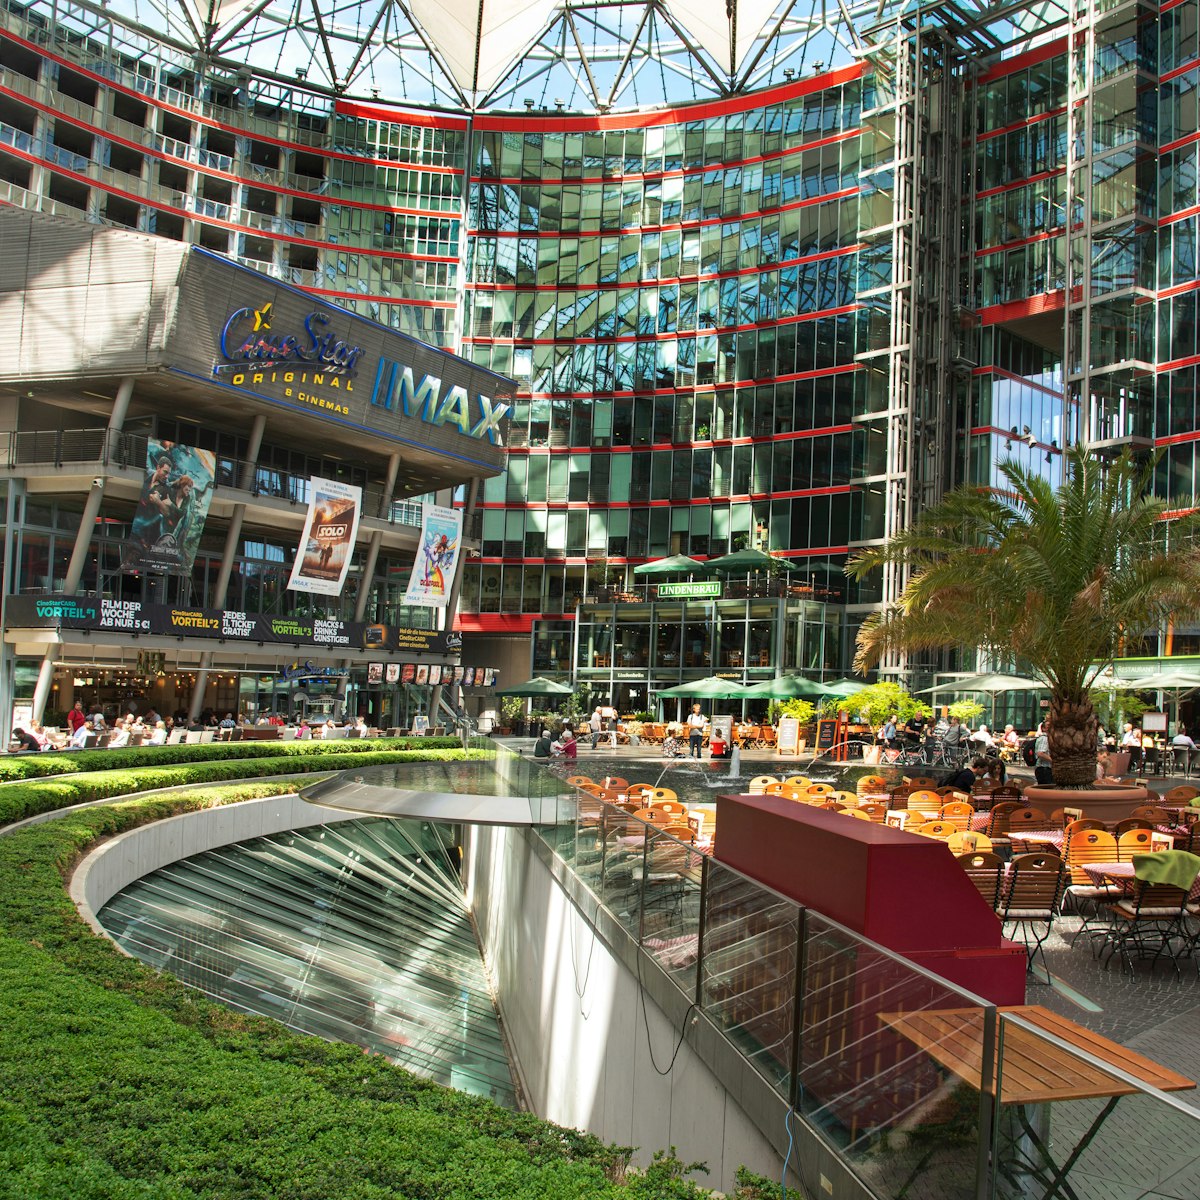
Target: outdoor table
1122,873
1042,837
1035,1070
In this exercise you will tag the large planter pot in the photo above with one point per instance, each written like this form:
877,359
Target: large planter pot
1105,802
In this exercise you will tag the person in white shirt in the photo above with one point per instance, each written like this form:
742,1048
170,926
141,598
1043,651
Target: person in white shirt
120,736
158,736
595,724
696,722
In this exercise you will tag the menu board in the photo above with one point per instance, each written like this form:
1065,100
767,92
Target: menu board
826,735
788,738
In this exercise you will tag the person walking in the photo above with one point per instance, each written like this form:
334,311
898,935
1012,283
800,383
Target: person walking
696,722
1043,768
596,724
76,716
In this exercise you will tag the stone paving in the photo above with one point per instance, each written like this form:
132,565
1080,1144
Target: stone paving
1151,1009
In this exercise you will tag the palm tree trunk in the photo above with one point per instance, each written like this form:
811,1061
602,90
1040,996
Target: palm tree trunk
1071,727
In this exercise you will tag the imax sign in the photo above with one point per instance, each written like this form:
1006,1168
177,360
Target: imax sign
396,388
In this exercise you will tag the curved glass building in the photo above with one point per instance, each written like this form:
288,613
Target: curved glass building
767,275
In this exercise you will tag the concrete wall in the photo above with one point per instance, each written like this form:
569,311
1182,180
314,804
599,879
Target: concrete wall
126,858
585,1053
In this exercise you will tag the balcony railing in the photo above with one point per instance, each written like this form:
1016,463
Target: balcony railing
100,448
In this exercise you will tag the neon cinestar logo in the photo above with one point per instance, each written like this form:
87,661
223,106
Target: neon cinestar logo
261,345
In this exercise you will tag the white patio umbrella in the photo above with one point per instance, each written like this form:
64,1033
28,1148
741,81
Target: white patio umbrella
991,683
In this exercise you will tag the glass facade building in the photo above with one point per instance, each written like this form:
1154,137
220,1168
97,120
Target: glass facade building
781,308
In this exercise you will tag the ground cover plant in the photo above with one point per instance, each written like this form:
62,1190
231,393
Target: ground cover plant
119,1083
32,797
36,766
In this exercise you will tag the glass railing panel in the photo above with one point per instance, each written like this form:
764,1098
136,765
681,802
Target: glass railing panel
1078,1117
671,899
869,1071
748,970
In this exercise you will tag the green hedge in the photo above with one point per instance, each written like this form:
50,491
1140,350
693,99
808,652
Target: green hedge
38,766
121,1083
21,800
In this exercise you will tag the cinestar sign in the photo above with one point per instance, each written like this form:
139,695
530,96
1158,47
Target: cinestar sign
247,337
396,385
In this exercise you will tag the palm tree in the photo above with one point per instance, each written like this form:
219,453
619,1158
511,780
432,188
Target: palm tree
1059,578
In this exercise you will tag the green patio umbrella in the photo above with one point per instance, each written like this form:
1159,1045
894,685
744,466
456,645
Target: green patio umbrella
786,687
536,687
711,688
677,564
742,562
840,688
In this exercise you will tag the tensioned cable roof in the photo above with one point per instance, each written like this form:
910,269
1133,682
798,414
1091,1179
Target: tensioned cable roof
542,54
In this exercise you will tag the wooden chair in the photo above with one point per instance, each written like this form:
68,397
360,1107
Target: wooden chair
579,780
675,808
986,872
872,785
924,801
1079,825
1181,794
767,740
958,842
798,781
875,811
998,821
1131,842
776,788
653,816
937,829
813,789
849,799
1002,792
952,793
1032,900
1153,814
640,790
1131,823
1152,918
1024,819
759,783
924,781
958,813
615,783
847,811
659,794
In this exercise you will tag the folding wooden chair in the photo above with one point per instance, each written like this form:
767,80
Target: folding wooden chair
1131,842
986,872
1153,918
958,813
961,841
1031,900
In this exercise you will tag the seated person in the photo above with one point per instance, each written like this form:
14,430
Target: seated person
28,740
566,746
542,747
120,735
228,722
966,778
672,747
158,735
79,737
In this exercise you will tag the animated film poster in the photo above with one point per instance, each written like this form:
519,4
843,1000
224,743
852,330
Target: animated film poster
173,507
326,545
437,557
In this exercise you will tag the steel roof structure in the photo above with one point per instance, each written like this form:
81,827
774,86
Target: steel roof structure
557,55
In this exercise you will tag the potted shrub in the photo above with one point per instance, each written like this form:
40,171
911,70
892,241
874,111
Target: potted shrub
511,708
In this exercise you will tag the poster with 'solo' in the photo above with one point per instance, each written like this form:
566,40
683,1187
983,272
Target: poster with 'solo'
327,543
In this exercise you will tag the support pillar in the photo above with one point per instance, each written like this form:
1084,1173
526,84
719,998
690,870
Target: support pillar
233,535
435,697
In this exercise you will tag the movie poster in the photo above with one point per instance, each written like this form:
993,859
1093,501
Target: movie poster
327,543
171,512
435,673
393,672
374,673
437,557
